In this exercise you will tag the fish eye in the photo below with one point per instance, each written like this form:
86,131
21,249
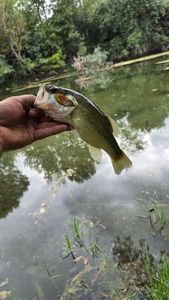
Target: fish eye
50,88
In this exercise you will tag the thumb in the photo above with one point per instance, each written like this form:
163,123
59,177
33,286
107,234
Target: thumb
26,100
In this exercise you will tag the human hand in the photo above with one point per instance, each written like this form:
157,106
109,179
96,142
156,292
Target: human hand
20,125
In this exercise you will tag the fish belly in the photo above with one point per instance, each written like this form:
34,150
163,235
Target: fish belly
96,133
88,132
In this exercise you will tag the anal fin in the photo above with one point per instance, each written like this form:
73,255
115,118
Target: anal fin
95,153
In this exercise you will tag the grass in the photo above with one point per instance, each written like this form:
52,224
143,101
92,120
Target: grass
68,247
75,226
157,217
158,287
94,248
137,272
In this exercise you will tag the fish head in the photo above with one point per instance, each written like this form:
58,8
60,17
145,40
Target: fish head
55,101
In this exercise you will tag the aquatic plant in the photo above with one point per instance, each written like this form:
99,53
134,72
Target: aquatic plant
68,247
74,224
94,248
157,217
126,272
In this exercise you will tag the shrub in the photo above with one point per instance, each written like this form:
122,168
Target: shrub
52,63
97,59
5,69
92,61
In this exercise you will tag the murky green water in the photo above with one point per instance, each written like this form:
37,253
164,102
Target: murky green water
45,184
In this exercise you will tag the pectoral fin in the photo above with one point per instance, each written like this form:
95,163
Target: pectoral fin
114,126
95,153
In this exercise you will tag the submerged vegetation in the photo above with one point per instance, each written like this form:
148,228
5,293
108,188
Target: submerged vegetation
111,248
39,38
125,272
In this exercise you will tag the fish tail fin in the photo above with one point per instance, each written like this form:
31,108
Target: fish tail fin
120,163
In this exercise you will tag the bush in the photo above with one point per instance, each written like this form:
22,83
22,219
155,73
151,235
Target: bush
5,69
24,67
97,59
52,63
117,49
92,61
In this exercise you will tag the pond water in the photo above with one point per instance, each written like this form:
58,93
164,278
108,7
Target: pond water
46,184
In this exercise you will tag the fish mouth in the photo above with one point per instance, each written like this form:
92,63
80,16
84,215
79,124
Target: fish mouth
44,106
52,98
61,95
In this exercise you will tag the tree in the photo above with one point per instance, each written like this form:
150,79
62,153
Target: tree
64,14
13,28
128,28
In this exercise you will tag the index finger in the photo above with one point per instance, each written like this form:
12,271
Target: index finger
26,100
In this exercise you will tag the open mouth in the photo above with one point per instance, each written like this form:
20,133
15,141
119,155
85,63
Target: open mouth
64,100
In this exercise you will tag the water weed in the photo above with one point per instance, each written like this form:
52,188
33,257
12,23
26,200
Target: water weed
75,226
68,247
126,272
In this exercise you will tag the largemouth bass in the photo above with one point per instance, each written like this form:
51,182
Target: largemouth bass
92,125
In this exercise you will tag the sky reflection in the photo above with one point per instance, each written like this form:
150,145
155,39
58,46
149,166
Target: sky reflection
55,179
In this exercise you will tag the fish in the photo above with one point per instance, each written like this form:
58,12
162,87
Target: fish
94,127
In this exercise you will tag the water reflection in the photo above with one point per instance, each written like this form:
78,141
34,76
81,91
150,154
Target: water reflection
60,153
138,90
12,184
137,98
131,139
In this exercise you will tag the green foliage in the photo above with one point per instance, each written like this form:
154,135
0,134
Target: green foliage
141,274
131,25
159,284
39,36
82,49
13,184
157,217
117,49
134,40
91,62
52,63
24,67
97,59
5,69
76,230
63,22
76,238
68,247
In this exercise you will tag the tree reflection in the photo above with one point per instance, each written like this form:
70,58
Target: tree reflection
12,184
131,139
138,91
59,153
136,96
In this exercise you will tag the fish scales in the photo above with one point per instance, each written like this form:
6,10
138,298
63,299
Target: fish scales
93,126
